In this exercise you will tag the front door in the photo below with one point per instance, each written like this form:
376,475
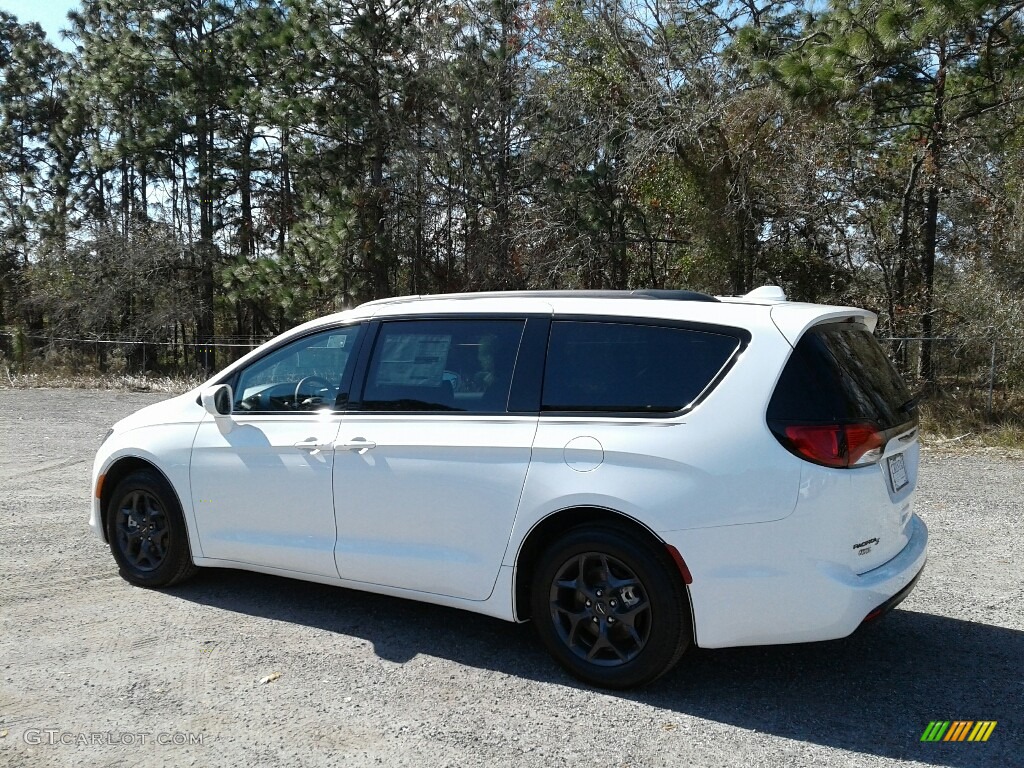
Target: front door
262,491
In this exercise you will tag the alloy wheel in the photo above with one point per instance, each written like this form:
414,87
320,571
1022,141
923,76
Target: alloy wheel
600,609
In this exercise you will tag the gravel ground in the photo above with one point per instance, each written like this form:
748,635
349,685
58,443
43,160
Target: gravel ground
94,672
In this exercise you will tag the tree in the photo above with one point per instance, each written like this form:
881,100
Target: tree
925,74
33,168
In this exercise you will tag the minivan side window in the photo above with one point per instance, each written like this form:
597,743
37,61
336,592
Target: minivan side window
628,367
305,375
443,365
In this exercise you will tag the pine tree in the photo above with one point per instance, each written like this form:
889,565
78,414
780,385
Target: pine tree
923,73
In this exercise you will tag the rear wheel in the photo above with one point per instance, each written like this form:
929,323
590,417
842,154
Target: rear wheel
611,608
146,531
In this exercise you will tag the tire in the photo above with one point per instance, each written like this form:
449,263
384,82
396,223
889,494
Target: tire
610,607
146,531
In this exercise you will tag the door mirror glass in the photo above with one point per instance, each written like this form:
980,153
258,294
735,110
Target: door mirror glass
217,400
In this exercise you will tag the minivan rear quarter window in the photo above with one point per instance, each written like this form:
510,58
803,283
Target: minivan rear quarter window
630,367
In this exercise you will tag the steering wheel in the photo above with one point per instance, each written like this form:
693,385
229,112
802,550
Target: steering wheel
305,379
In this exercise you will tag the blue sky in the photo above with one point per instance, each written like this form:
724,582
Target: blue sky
51,14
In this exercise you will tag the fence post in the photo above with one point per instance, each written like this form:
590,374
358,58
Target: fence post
991,376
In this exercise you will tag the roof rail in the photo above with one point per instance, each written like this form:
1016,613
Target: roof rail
639,293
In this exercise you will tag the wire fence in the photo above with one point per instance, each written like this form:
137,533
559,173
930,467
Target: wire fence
168,355
989,369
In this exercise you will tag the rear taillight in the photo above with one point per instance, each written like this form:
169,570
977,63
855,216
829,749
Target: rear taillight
833,445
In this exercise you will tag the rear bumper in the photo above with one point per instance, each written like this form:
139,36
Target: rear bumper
893,601
762,585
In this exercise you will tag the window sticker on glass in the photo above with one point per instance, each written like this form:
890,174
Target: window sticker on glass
413,359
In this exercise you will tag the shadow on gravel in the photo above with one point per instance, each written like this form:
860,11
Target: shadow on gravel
873,693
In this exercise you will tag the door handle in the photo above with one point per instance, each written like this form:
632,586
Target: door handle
357,444
312,445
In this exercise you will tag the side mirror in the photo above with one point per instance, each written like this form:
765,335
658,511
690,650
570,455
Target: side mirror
217,402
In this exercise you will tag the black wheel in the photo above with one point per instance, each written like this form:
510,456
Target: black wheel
611,608
146,531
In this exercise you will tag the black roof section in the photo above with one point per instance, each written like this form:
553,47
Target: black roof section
671,294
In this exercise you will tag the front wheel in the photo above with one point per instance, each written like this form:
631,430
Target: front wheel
146,531
611,608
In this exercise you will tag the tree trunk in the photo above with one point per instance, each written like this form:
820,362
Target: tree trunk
205,321
286,193
926,370
929,244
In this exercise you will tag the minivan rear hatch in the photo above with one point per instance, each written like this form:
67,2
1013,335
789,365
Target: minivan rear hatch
841,404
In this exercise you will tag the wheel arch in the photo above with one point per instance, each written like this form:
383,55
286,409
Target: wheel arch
555,525
118,471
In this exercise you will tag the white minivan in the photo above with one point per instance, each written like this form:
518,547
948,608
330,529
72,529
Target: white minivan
635,471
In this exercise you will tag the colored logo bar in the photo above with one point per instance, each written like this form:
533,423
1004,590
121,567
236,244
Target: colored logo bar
958,730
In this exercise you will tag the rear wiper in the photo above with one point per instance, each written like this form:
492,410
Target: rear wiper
910,405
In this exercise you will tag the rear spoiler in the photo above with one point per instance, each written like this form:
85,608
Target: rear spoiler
793,319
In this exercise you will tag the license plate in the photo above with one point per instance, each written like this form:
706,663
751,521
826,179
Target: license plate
898,472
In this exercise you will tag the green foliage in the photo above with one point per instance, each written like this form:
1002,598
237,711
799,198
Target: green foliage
248,165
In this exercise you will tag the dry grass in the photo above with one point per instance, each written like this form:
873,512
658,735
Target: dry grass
960,418
68,380
65,369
